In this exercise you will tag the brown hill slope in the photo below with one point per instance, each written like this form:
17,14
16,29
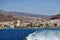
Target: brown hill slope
7,17
55,17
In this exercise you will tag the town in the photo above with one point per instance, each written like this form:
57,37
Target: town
32,24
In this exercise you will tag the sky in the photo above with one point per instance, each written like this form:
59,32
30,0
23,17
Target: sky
44,7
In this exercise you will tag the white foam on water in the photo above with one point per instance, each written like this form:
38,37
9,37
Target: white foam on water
44,35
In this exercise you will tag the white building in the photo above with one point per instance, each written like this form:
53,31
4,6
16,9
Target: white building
54,23
25,24
18,23
7,24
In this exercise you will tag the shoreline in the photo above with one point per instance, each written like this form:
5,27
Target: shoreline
32,28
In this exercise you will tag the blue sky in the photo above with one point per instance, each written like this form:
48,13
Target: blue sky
44,7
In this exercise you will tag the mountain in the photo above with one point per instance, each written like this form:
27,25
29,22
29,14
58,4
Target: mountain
57,16
27,17
19,14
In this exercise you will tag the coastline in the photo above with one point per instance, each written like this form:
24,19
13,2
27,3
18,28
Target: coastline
32,28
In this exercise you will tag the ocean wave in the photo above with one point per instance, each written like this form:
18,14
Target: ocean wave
44,35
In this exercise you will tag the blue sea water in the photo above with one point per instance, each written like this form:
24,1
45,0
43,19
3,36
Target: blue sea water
29,34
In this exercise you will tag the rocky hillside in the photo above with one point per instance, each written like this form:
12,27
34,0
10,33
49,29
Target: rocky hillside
55,17
7,17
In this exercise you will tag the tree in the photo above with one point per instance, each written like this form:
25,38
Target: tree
40,25
28,25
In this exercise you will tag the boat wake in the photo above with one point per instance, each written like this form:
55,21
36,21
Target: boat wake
44,35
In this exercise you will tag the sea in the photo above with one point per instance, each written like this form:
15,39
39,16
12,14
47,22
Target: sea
30,34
